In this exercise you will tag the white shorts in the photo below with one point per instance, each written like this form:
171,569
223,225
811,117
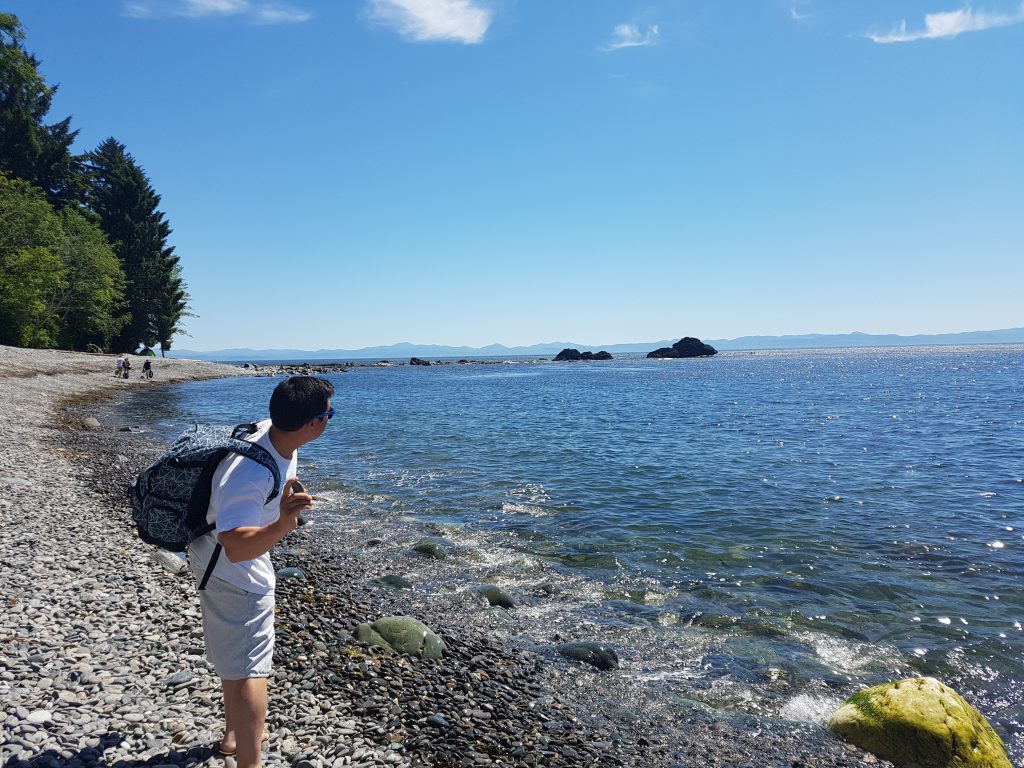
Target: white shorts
238,627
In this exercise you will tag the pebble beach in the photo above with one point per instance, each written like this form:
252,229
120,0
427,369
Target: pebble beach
101,652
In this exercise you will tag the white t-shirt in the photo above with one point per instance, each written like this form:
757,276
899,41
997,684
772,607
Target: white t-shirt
237,500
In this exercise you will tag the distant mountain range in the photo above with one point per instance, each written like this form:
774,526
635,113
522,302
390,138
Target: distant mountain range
805,341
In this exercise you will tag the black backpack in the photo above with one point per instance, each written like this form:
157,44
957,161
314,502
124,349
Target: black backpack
171,497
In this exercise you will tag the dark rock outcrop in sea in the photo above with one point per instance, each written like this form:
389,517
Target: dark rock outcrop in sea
572,355
687,346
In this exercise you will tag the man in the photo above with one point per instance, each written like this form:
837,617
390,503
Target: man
238,601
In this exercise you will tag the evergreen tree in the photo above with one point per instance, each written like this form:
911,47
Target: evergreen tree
30,150
127,206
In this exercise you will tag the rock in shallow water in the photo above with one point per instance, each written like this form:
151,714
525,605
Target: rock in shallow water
430,549
497,596
601,656
920,722
394,581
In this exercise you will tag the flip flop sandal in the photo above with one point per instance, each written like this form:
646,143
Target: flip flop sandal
217,747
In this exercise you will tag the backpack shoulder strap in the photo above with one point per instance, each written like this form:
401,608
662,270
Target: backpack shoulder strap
257,453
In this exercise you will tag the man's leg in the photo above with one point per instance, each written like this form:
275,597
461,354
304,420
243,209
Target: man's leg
245,712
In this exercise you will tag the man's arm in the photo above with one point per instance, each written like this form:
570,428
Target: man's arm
249,542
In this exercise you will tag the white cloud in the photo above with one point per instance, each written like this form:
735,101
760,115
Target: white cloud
213,7
797,15
260,13
630,36
459,21
279,14
948,24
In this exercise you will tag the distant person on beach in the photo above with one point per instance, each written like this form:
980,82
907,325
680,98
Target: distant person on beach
127,367
147,369
119,366
238,601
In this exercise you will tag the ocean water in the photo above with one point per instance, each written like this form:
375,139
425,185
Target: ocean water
760,532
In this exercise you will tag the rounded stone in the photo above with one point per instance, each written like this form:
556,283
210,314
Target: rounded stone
430,549
919,721
601,656
497,596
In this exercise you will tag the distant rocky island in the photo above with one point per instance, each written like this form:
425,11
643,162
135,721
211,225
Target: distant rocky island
687,346
573,355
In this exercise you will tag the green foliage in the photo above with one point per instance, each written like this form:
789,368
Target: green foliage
32,150
32,274
92,307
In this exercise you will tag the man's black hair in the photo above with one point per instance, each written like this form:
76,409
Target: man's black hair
298,399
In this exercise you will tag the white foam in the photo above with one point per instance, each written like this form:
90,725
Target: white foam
511,508
846,655
807,708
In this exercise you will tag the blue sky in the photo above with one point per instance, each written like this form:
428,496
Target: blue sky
345,174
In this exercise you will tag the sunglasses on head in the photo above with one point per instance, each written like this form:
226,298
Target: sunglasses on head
329,413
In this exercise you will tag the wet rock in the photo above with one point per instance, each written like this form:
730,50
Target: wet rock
497,596
601,656
402,634
284,574
430,549
394,581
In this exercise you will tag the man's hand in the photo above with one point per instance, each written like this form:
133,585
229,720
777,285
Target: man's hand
249,543
294,500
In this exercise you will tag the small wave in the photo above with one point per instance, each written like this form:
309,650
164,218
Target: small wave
848,656
511,508
808,708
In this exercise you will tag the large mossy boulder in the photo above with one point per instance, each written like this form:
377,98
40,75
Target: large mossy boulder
402,634
919,722
687,346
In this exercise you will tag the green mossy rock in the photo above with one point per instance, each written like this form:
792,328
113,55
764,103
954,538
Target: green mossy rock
430,549
919,722
402,634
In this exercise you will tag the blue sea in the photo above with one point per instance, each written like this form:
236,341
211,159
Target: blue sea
757,532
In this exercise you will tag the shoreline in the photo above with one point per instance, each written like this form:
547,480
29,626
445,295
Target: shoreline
102,640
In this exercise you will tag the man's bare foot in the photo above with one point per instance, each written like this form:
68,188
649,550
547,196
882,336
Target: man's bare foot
228,749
